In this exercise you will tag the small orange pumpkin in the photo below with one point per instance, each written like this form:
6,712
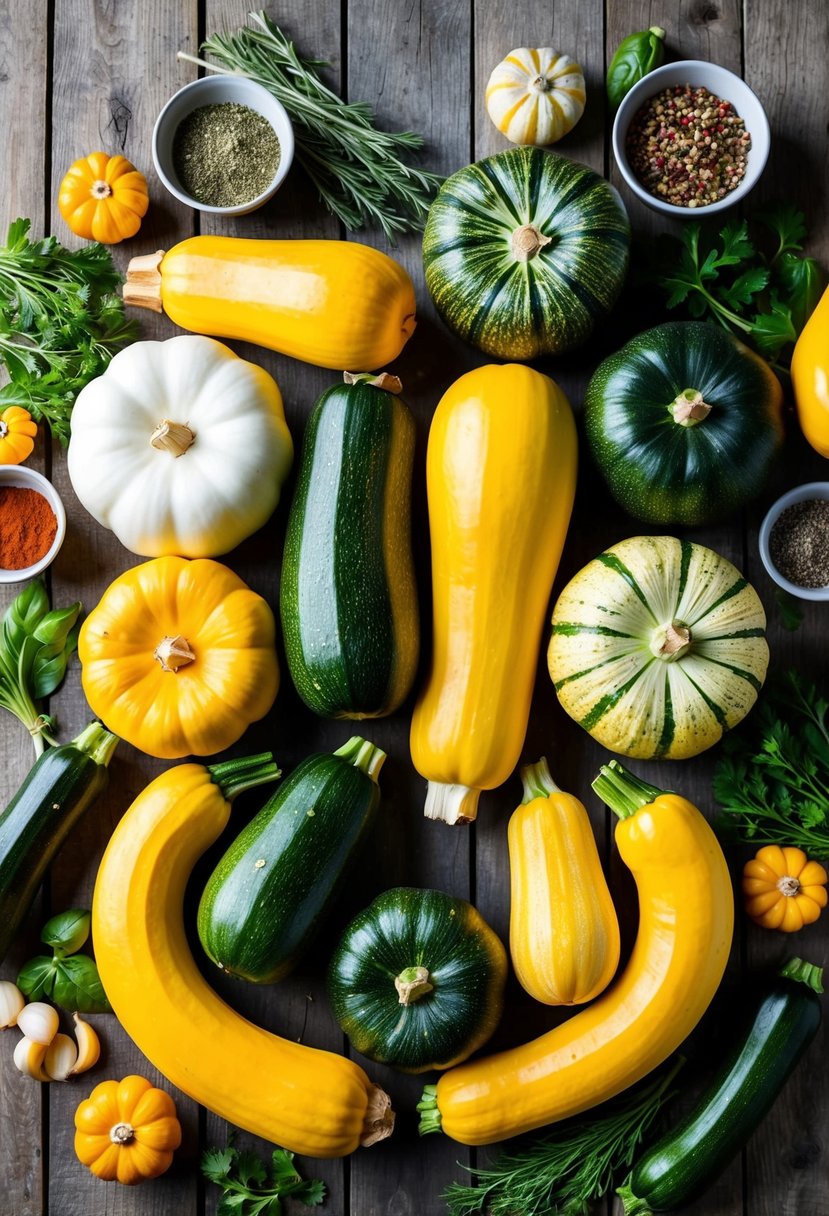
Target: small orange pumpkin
127,1131
17,435
783,889
103,198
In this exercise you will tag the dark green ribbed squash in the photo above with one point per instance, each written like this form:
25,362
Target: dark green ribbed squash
524,252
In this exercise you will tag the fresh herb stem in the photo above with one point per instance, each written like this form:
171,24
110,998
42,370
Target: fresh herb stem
251,1188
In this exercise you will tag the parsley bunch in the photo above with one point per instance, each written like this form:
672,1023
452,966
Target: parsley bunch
249,1188
60,323
765,296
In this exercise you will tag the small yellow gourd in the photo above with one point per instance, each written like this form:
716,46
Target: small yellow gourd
127,1131
535,95
783,889
103,198
17,435
564,933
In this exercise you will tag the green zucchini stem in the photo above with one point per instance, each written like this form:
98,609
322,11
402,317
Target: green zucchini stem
384,380
363,755
451,802
624,793
430,1120
631,1204
538,782
804,973
411,984
233,777
689,408
96,742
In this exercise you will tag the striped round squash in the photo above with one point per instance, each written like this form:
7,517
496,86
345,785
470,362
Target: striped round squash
658,647
524,252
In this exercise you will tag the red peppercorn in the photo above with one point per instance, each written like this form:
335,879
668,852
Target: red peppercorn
660,162
684,121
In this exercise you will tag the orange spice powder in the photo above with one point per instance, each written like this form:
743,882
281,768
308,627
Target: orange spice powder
27,527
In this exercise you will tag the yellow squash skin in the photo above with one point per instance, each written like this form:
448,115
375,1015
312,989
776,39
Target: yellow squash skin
337,304
810,377
308,1101
686,920
563,928
501,476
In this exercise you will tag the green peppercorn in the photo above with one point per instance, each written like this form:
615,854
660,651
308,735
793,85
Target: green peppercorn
637,55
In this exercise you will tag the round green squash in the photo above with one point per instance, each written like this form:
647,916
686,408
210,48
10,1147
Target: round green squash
683,423
524,252
417,980
658,647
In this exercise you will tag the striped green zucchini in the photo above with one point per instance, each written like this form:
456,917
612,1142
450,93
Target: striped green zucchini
524,251
658,647
348,598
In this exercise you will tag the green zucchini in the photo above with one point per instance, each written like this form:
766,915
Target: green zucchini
62,783
268,895
684,1163
348,598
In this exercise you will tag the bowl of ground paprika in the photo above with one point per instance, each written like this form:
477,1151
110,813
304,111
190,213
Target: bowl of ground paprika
32,523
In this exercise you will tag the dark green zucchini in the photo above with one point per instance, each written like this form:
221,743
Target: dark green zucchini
268,895
347,598
685,1162
62,783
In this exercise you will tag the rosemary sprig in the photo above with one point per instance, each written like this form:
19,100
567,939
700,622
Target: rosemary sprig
355,167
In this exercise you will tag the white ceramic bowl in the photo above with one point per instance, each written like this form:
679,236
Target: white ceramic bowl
28,479
721,83
212,91
813,489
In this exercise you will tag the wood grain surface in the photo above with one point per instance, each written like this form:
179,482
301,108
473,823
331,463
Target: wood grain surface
77,75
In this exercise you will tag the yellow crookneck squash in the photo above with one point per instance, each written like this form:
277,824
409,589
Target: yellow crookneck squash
127,1131
686,922
501,476
307,1100
564,932
810,377
336,304
178,657
103,198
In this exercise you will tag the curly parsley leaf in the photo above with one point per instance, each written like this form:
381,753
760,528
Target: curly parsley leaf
252,1188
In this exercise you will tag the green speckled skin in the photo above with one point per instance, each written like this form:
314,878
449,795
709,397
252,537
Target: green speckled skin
513,309
669,474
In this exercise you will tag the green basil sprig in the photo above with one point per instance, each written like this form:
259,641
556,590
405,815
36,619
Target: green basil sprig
637,55
72,982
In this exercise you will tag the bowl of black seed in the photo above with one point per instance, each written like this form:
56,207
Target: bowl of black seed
794,541
223,144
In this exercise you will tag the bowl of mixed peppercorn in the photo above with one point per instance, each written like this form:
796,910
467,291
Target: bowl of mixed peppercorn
691,137
794,541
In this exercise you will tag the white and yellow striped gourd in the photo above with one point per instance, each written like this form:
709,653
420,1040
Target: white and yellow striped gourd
535,95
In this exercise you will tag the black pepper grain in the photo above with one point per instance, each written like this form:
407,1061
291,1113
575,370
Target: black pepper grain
799,543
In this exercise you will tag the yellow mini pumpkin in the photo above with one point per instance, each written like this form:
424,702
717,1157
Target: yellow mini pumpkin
178,657
535,95
127,1131
103,198
783,889
17,435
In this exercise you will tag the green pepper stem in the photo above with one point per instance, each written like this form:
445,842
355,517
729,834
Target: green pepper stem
363,755
96,742
803,973
430,1120
624,793
233,777
538,782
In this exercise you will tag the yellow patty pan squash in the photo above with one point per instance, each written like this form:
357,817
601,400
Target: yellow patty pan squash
127,1131
103,198
178,657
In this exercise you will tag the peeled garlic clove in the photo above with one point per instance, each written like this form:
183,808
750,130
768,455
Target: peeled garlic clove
39,1022
89,1046
29,1057
11,1002
61,1057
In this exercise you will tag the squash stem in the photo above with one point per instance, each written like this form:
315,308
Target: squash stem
411,984
804,973
621,791
363,755
430,1120
235,776
538,782
451,803
631,1204
384,380
96,742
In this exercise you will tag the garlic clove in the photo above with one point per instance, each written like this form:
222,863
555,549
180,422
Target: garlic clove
89,1046
29,1057
11,1002
61,1057
39,1022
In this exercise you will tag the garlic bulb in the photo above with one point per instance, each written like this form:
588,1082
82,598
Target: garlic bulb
39,1022
11,1002
89,1047
535,95
29,1057
61,1058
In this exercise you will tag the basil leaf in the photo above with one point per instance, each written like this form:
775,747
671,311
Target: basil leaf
635,56
36,978
24,613
55,626
77,986
67,931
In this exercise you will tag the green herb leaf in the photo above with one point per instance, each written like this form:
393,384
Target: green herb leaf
786,222
745,287
802,281
250,1189
773,330
36,978
790,610
67,931
737,244
78,987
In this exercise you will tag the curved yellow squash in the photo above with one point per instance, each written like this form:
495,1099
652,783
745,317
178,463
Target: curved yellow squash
563,929
686,921
810,377
501,476
337,304
306,1100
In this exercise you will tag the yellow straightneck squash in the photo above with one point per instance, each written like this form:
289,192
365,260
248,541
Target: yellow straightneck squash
337,304
306,1100
501,476
686,922
563,929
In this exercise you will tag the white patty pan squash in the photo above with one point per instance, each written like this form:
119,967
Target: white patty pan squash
658,647
536,95
180,447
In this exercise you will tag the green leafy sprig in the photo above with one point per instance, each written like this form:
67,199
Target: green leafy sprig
763,296
69,979
251,1188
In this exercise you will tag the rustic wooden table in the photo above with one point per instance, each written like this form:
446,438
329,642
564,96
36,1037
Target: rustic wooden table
76,75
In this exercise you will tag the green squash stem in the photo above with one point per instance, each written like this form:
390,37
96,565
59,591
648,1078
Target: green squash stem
538,783
363,755
689,408
670,642
96,742
235,776
621,791
430,1120
527,241
412,983
451,803
631,1204
804,973
384,380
